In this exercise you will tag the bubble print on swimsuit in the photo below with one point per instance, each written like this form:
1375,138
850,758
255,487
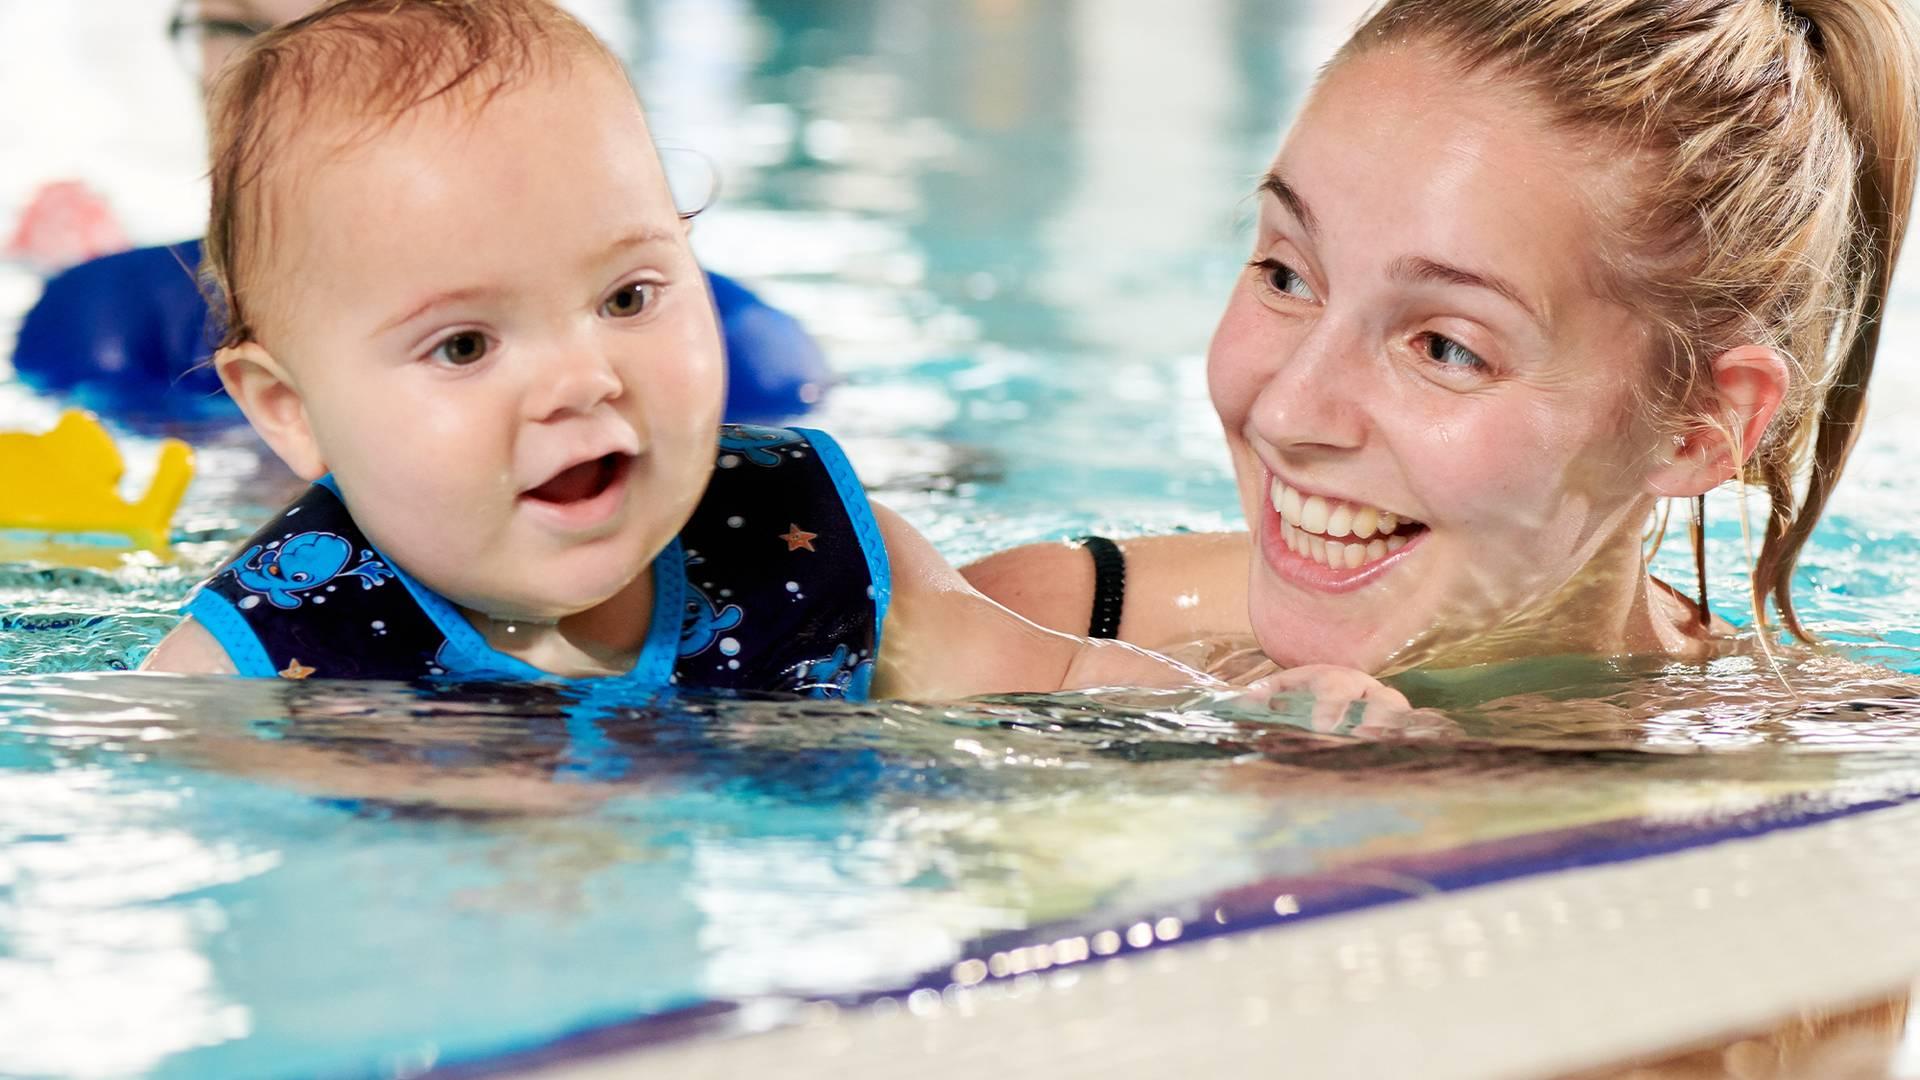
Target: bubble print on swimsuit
1776,143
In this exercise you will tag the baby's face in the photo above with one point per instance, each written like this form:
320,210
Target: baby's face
500,342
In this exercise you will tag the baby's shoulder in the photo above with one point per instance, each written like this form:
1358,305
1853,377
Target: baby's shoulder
781,491
786,576
310,594
189,649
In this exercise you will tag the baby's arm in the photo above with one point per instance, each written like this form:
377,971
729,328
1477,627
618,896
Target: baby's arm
944,640
189,650
1178,588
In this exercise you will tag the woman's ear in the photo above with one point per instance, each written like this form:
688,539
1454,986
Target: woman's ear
273,405
1749,383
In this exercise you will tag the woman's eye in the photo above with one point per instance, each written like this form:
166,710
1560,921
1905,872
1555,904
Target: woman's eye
1450,354
1281,278
462,349
628,301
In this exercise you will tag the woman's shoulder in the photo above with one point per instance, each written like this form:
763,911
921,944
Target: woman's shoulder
1684,634
1179,587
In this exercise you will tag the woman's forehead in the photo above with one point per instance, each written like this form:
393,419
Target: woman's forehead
1397,156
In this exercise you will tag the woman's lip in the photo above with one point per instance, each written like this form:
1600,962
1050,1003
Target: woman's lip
584,514
1312,574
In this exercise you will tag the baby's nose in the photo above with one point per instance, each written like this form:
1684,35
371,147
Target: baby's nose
578,382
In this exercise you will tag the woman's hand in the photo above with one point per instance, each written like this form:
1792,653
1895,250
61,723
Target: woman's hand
1351,702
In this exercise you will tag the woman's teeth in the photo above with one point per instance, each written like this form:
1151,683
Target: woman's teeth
1340,535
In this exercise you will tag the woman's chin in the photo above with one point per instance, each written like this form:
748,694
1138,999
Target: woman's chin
1294,630
1291,643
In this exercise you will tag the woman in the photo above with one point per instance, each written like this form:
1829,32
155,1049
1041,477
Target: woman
1524,269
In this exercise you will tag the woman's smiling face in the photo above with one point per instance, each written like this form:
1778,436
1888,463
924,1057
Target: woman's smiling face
1436,418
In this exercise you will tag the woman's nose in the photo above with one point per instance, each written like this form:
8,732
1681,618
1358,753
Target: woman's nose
1317,397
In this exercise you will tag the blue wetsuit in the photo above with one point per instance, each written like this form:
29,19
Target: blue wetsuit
778,582
128,336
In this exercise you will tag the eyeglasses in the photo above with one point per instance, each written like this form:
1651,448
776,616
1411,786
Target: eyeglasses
203,42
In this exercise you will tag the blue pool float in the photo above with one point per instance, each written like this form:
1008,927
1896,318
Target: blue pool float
127,336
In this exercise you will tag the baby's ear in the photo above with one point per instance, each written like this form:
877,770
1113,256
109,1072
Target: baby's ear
273,405
1749,383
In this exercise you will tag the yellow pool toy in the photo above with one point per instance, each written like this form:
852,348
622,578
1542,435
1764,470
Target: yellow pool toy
68,481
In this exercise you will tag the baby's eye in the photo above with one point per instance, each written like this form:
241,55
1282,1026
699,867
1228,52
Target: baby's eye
461,349
1281,278
1450,354
628,301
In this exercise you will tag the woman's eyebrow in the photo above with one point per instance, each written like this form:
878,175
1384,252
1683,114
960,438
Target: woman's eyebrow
1276,185
1409,268
1415,268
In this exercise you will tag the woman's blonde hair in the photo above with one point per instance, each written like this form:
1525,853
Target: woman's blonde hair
1776,143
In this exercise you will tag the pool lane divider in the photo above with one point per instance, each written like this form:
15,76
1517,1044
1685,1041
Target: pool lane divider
1004,959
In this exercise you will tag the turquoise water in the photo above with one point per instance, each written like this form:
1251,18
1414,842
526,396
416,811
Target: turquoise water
1012,226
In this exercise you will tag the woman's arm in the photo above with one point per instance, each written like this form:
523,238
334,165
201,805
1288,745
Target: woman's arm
944,640
1178,588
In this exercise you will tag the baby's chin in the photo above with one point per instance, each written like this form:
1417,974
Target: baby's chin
562,600
549,594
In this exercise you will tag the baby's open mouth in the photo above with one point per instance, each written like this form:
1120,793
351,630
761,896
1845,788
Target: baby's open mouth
578,483
1339,535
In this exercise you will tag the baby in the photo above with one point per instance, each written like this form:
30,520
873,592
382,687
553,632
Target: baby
460,299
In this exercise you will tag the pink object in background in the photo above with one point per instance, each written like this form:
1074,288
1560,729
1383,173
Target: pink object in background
66,222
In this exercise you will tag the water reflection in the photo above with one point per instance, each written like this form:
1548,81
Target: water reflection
253,848
1835,702
107,948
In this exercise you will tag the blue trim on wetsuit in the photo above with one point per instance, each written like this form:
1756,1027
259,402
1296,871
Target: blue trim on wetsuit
217,615
873,544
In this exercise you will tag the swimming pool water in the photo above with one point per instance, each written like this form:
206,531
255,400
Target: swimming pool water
1012,226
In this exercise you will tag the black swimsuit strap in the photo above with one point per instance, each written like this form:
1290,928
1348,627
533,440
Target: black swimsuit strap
1109,586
